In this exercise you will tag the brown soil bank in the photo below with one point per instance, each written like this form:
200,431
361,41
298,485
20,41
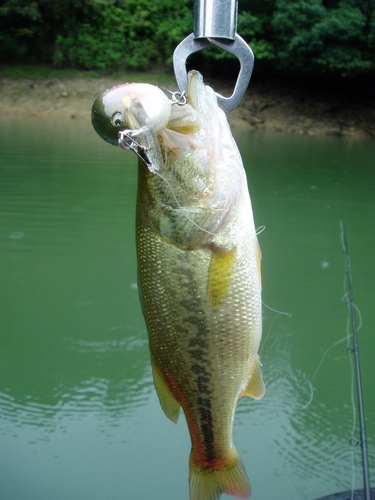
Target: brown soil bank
269,105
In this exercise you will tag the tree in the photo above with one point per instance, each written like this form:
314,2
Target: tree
20,24
308,36
312,37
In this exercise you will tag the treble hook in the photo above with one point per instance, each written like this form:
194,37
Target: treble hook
215,23
126,140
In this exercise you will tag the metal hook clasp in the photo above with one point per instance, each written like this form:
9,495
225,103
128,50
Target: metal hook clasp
215,23
238,47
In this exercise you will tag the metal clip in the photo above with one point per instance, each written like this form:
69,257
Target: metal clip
178,98
239,48
215,23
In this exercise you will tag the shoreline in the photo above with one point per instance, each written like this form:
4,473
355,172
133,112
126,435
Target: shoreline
271,105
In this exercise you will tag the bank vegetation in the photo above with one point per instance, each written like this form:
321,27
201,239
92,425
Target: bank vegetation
314,70
314,37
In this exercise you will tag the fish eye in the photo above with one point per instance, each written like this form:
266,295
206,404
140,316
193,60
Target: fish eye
116,119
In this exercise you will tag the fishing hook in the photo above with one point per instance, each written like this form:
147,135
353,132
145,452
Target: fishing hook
127,142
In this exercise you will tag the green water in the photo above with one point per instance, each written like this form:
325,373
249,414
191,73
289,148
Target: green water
79,418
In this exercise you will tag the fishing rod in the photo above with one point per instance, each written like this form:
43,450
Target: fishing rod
355,351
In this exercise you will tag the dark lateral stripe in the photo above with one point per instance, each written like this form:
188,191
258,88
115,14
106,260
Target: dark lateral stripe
204,402
208,434
198,342
199,369
198,354
203,385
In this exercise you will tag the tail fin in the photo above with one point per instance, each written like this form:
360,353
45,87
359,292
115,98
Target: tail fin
208,483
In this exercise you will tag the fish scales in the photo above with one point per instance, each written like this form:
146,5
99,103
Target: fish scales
205,362
199,284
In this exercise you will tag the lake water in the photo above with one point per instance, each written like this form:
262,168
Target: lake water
79,417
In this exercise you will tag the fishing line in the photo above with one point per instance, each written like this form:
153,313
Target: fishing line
354,415
134,147
345,298
325,354
180,207
278,313
354,312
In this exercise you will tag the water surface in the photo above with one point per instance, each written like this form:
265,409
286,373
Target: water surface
79,418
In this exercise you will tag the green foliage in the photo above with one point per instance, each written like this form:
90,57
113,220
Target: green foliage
98,44
95,34
19,28
294,23
308,36
253,28
136,36
312,37
372,32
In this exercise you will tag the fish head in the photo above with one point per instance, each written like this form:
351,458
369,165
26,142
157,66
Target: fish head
112,111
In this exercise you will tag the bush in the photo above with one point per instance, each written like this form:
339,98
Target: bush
308,36
135,36
20,25
313,38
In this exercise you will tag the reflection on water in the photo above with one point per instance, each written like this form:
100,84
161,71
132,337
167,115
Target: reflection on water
107,400
79,417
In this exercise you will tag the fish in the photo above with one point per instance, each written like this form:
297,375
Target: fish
199,274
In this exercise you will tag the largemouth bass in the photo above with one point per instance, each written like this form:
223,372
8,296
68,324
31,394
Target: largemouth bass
198,267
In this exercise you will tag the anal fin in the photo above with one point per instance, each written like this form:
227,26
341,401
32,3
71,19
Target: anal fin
167,401
255,387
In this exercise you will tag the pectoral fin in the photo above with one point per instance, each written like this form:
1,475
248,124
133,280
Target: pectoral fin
167,401
255,387
219,274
